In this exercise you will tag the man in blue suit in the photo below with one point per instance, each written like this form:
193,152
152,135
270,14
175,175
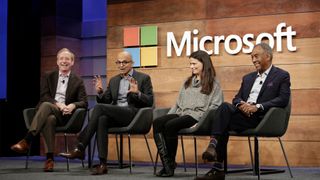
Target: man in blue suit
267,87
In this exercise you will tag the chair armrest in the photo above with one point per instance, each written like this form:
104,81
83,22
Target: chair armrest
203,127
158,112
28,115
141,123
75,123
274,123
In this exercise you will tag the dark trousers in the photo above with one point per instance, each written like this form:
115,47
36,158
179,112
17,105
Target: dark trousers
226,118
103,117
169,125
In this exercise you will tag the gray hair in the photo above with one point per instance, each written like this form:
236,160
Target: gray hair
267,49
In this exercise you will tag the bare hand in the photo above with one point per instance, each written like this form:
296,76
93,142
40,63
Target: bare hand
247,108
68,109
98,84
133,86
61,106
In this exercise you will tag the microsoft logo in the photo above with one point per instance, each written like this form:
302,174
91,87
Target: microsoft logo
142,43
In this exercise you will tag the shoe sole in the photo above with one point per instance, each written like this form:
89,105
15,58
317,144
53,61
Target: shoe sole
48,170
18,150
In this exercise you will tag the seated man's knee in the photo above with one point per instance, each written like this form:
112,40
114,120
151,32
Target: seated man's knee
52,120
45,105
227,106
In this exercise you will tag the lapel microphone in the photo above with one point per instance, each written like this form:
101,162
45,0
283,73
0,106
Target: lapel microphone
260,82
64,81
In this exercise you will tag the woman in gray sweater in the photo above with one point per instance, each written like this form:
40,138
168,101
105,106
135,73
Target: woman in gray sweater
199,93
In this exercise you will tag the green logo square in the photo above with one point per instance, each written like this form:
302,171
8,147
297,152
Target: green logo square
148,35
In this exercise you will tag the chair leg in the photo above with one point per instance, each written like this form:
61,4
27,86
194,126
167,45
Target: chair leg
285,157
256,157
195,154
130,160
225,162
156,163
118,153
145,138
94,148
66,148
28,155
183,154
250,149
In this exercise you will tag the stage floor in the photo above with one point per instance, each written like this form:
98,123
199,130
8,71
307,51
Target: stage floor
12,168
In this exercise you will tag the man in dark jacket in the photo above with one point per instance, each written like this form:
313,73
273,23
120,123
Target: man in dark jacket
61,93
117,106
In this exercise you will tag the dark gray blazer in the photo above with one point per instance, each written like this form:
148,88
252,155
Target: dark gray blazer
275,91
110,96
75,93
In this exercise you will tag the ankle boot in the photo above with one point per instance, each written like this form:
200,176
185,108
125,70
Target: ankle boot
168,164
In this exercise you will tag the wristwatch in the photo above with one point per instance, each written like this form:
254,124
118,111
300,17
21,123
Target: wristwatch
259,106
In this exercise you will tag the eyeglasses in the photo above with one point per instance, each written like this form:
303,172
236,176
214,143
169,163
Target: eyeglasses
122,62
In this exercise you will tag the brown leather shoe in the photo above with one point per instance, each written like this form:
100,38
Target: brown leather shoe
213,174
75,154
48,165
21,147
100,170
210,154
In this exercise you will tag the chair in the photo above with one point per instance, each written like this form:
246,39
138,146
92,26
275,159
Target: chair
140,125
273,124
73,126
202,128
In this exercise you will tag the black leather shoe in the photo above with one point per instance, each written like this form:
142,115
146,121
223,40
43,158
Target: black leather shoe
213,174
100,170
75,154
164,173
210,154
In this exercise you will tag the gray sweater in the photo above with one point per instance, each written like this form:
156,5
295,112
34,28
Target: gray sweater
194,103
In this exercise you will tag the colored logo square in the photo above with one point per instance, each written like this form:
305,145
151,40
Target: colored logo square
135,53
149,35
131,36
149,56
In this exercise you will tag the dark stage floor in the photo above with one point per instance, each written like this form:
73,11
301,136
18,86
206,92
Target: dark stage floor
13,169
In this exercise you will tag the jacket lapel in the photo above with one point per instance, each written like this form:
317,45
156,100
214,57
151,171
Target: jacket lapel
69,87
55,84
268,81
250,84
116,88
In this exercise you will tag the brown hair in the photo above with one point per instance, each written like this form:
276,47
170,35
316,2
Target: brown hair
208,73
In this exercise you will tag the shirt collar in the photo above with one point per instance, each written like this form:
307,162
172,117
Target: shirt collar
266,72
64,75
130,73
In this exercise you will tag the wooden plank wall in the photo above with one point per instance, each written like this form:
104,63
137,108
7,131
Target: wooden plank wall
218,17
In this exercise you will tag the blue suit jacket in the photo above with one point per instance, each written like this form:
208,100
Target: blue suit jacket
275,91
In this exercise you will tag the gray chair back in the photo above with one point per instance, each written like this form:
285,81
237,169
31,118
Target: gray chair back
274,123
141,123
202,128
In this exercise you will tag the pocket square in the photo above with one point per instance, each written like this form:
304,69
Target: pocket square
270,84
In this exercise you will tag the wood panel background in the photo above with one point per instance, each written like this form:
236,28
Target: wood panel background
217,17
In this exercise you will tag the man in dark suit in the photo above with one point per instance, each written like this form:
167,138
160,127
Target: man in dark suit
267,87
61,93
126,93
